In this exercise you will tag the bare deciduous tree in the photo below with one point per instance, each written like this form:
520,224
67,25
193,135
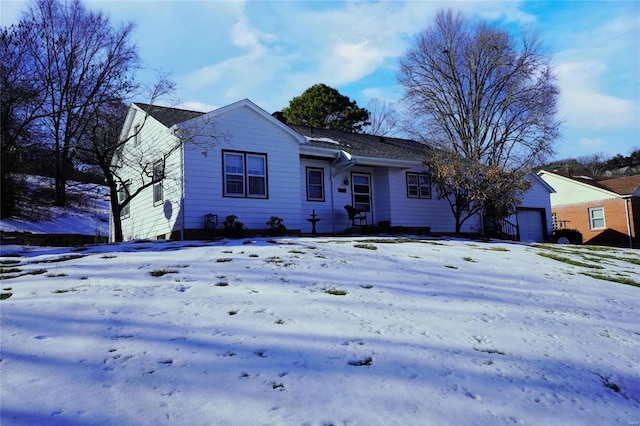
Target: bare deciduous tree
384,118
21,99
483,96
82,63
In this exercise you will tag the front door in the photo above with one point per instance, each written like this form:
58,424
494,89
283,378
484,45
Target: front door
361,190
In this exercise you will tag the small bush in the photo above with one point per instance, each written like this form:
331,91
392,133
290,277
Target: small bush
366,246
233,228
573,235
276,226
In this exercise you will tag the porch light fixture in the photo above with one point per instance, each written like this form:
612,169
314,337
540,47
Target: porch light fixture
346,180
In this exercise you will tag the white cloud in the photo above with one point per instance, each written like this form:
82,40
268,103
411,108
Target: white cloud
582,102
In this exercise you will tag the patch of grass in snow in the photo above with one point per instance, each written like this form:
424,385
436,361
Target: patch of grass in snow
34,272
495,248
617,279
367,286
609,384
232,312
297,251
279,321
223,259
222,284
55,275
335,291
5,296
254,255
9,270
362,362
491,351
469,259
160,272
388,240
366,246
450,266
64,258
109,256
569,261
278,261
64,291
9,261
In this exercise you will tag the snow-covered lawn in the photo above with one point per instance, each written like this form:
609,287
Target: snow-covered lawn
304,331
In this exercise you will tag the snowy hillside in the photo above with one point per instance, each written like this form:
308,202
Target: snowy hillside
87,213
317,331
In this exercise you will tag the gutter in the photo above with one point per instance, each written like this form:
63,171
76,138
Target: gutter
626,211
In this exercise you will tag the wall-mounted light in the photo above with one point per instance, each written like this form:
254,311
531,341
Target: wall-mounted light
346,180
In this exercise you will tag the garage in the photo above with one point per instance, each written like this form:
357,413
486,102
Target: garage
531,224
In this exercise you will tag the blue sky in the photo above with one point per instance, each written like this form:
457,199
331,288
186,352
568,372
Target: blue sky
219,52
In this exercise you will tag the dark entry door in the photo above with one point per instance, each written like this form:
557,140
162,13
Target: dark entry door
361,190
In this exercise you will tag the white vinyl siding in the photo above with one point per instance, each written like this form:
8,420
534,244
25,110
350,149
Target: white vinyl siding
596,218
155,142
248,132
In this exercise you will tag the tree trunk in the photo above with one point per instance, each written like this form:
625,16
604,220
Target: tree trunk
116,208
61,183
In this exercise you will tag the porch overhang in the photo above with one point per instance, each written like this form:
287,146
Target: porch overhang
332,153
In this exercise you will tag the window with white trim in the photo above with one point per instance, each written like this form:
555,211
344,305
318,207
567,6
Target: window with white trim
245,174
418,185
315,184
123,193
158,176
596,218
136,135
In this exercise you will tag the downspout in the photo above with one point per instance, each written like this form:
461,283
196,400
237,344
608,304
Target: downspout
626,211
333,216
182,185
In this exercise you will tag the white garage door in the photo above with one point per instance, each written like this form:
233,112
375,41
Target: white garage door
530,223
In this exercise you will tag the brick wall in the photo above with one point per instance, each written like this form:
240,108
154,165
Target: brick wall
615,232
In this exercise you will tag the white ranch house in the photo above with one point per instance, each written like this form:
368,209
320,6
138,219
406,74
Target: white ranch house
258,167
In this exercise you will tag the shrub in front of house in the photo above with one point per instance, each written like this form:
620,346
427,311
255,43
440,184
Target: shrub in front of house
275,226
233,228
573,235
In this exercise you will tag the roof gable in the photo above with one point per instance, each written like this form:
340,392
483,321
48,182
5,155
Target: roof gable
623,186
246,103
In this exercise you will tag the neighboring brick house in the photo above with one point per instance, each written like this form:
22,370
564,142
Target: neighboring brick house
606,211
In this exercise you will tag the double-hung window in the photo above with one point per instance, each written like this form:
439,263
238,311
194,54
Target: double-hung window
596,218
123,193
418,185
315,184
245,174
158,176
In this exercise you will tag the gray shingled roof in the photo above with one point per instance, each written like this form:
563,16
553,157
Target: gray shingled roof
363,145
168,116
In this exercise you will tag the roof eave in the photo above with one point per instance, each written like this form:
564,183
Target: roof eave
330,154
